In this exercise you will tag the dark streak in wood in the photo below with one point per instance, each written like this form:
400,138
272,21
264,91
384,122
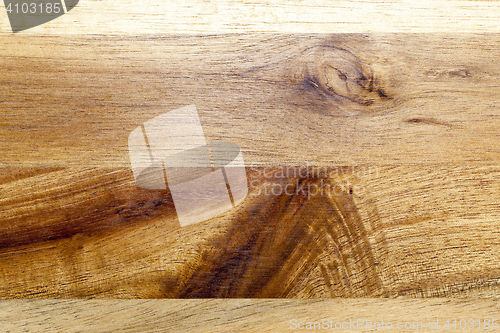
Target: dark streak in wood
428,121
85,210
268,244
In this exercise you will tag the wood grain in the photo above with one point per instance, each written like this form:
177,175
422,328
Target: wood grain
401,129
301,232
400,99
235,315
293,16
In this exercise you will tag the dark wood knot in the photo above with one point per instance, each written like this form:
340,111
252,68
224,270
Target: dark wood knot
337,73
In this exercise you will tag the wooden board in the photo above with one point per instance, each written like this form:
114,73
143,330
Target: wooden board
248,315
399,128
389,231
294,16
401,98
404,138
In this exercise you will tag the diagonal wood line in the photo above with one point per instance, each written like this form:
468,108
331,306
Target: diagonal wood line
227,186
147,143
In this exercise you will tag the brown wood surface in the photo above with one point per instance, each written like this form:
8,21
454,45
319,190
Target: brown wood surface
369,232
71,101
416,215
401,128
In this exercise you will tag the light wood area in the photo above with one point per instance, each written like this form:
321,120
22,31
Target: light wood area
291,16
247,315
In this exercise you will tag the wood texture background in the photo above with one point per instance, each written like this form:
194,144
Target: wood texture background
406,134
425,98
230,315
292,16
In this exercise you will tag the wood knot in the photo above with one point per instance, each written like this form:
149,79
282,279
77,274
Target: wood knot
336,73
